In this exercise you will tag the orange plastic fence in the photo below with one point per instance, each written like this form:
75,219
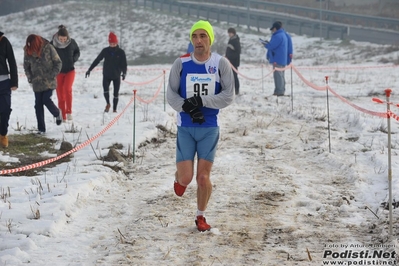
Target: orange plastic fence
295,69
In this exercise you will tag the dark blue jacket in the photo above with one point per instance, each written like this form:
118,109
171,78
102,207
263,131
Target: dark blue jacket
8,64
277,48
190,48
115,62
290,49
233,50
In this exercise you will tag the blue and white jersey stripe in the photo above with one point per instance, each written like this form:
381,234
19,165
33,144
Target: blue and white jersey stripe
199,80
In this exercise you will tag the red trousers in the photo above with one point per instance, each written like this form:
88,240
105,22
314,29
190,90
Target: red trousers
64,92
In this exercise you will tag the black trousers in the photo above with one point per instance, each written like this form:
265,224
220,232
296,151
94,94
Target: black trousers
5,105
236,82
117,84
43,98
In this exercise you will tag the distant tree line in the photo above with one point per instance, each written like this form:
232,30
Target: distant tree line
12,6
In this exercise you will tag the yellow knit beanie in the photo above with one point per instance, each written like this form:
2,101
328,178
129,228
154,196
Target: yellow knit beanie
203,25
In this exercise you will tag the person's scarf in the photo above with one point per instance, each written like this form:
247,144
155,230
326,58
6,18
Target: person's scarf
58,44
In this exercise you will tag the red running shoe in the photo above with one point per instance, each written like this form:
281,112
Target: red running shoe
179,189
201,224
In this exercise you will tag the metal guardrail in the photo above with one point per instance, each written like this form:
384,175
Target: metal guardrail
316,13
263,19
241,16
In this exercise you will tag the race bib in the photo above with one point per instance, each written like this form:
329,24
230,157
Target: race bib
200,84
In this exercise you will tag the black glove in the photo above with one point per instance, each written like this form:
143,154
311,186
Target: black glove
263,41
197,116
87,74
192,103
123,76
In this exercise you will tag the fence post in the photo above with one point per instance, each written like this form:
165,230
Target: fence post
164,91
134,126
262,78
328,116
313,29
328,32
292,89
248,15
388,94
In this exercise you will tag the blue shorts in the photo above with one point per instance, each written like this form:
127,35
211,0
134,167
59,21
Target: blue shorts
200,140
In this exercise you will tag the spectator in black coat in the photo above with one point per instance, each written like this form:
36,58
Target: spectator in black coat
69,52
115,66
8,82
233,52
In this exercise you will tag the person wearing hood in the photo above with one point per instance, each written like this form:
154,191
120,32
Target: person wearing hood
115,67
233,52
42,65
8,82
69,52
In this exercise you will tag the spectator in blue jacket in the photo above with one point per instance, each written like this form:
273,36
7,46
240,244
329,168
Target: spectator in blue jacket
277,53
289,45
190,48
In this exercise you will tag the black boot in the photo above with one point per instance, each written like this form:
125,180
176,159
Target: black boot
115,104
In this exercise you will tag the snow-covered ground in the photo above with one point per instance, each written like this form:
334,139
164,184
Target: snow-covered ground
289,188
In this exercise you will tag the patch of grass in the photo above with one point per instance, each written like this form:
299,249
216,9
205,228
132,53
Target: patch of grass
374,93
385,53
28,148
345,43
116,145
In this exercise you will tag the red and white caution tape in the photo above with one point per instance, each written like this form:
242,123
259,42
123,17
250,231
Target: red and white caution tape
79,147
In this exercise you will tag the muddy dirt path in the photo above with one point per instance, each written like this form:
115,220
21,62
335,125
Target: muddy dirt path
279,198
